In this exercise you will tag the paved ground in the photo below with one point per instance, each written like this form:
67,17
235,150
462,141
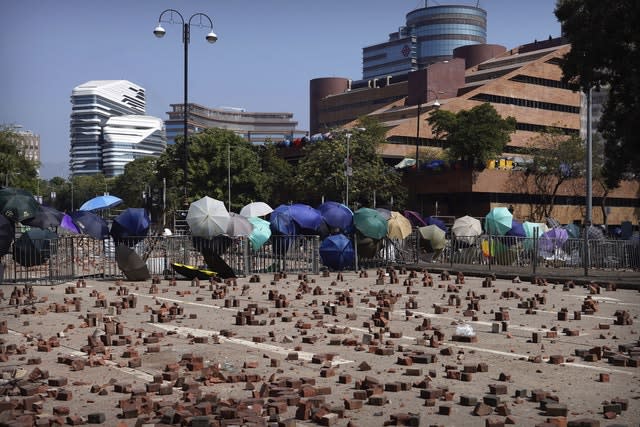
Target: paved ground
339,348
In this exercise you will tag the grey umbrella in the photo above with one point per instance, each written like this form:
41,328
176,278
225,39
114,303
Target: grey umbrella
131,264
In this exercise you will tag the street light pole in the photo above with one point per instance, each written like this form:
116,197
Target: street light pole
347,170
588,195
211,37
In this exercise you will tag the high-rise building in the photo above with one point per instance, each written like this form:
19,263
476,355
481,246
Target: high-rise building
430,35
28,143
255,127
94,103
127,138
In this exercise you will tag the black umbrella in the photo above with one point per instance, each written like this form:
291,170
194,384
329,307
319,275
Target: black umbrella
90,224
7,233
17,204
217,264
34,247
216,245
45,217
131,264
192,272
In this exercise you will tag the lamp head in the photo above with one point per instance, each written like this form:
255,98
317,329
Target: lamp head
159,32
436,103
211,37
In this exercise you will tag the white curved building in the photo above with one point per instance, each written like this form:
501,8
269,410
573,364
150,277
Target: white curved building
127,138
94,104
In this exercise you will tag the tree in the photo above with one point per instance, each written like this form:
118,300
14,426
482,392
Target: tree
214,156
604,51
15,169
278,184
556,160
321,171
138,181
474,136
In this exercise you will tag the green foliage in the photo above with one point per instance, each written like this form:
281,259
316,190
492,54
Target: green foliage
321,171
139,178
473,136
15,169
214,156
278,176
604,52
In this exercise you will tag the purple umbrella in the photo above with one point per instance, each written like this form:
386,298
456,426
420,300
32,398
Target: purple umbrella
553,239
415,218
517,229
67,224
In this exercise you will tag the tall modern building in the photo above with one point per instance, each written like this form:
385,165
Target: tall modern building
255,127
127,138
430,35
94,103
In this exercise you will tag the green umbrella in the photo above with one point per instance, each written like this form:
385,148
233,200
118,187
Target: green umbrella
498,221
17,204
370,223
261,232
434,236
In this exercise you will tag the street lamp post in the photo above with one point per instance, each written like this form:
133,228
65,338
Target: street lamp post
348,171
588,195
203,22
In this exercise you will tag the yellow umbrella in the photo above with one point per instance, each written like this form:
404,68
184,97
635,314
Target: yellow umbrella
399,226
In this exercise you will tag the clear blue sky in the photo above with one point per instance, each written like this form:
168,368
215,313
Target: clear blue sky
267,52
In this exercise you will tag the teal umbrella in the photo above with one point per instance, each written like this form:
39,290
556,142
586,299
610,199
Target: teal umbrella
261,232
498,221
573,230
370,223
532,229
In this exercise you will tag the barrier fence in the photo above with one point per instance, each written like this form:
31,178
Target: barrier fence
70,257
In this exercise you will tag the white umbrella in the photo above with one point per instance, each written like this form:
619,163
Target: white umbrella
466,228
208,217
256,209
238,225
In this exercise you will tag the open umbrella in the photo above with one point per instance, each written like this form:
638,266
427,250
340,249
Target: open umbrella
215,245
434,237
532,229
386,213
466,229
238,225
192,272
208,217
217,264
100,202
131,264
90,224
595,233
399,226
17,204
130,226
517,229
336,252
367,246
66,224
34,247
415,218
255,209
432,220
573,230
553,239
370,223
308,218
498,221
281,221
337,216
261,232
45,217
7,233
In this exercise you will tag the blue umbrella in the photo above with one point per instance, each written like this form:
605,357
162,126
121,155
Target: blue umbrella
336,252
517,229
307,218
281,221
337,216
432,220
100,202
90,224
131,226
498,221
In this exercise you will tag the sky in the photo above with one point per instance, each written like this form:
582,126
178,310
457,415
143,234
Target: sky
266,54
